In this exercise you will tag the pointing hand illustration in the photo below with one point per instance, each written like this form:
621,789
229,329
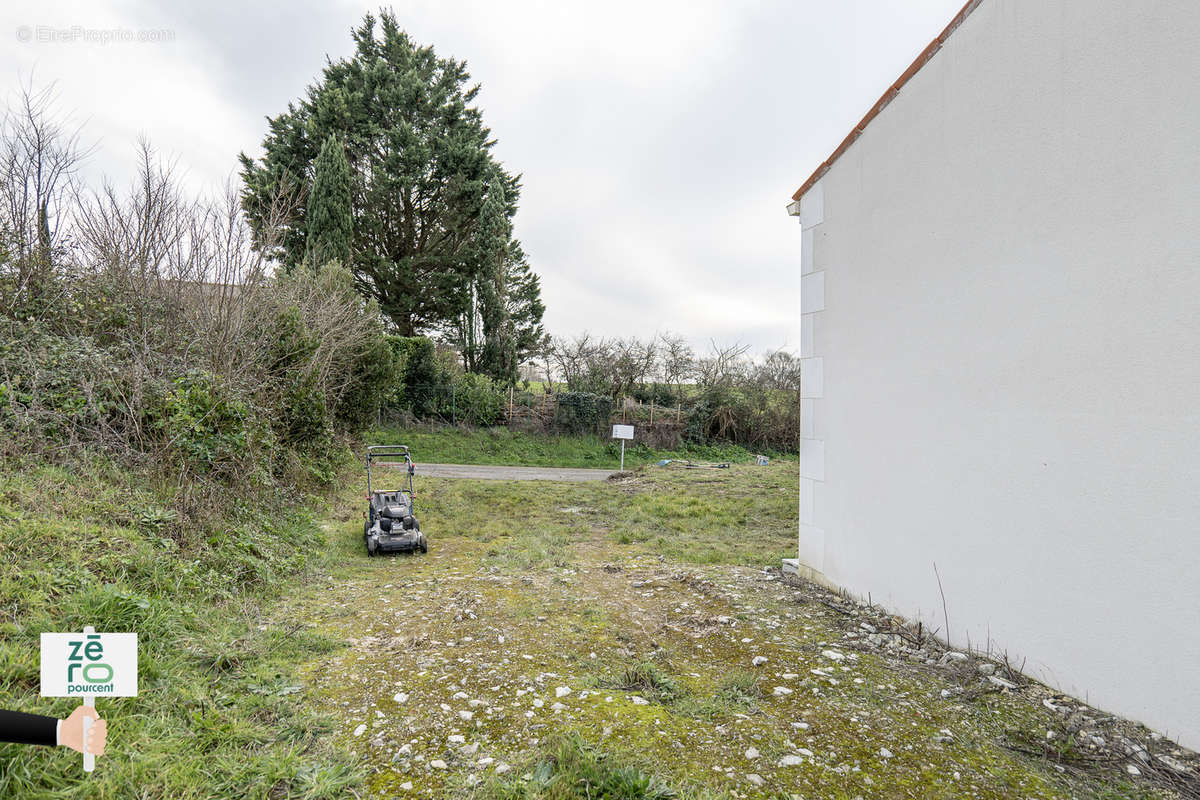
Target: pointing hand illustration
71,733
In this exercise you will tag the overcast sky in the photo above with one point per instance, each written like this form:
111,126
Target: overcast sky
658,141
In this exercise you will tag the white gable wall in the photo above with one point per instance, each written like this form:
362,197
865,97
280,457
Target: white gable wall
1001,298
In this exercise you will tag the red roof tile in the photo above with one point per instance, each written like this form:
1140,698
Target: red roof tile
892,91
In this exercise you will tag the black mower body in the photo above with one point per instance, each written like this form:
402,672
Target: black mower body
390,524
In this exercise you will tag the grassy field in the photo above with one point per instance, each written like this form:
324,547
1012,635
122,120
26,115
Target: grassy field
447,445
599,640
219,711
588,640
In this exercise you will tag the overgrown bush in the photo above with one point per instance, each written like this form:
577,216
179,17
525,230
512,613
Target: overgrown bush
421,376
373,380
57,389
200,425
303,417
754,417
475,400
657,393
150,325
582,412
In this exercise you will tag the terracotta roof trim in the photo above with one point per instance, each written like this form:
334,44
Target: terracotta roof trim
887,97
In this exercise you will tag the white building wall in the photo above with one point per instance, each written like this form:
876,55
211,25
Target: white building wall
1001,334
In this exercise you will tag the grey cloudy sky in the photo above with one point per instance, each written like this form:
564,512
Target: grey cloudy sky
658,141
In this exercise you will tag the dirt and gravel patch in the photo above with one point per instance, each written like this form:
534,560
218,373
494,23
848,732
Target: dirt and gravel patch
463,665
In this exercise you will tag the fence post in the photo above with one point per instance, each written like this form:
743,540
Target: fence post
453,404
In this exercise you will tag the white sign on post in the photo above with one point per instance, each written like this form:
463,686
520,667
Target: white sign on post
622,432
87,665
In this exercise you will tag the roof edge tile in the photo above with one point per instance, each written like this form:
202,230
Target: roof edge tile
888,96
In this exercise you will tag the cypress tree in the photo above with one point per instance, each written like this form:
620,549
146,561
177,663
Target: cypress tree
420,157
330,223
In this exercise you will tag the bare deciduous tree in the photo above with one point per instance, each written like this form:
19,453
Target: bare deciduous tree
724,366
40,156
678,361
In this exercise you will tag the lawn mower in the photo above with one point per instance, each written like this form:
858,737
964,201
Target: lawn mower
389,524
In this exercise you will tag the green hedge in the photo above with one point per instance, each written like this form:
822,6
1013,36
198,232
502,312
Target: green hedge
582,412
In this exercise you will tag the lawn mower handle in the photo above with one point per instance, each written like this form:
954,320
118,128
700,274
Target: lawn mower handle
385,450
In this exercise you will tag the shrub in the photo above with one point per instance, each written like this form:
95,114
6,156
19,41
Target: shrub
751,416
657,393
582,412
421,376
374,378
57,388
303,416
292,343
200,424
476,400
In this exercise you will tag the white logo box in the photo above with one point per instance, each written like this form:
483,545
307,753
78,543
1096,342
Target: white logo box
96,664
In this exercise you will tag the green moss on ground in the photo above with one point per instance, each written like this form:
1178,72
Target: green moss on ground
558,641
617,617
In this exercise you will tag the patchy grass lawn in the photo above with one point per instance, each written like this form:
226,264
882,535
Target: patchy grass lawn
449,445
583,640
219,711
608,640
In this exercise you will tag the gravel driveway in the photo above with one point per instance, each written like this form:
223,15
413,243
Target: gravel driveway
496,473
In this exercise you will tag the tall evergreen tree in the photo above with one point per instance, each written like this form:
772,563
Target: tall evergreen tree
420,159
330,221
501,321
